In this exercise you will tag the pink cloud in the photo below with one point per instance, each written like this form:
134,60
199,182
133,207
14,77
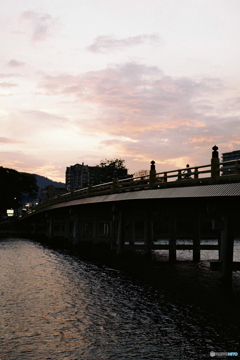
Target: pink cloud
134,98
103,44
5,140
31,163
7,85
39,26
162,116
15,63
205,139
4,76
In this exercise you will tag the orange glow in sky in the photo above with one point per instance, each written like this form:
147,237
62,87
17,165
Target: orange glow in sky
82,81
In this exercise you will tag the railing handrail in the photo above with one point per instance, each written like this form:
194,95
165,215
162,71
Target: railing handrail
148,181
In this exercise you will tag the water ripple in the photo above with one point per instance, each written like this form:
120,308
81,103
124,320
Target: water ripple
56,306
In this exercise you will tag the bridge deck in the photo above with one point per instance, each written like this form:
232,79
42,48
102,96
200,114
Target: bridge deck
200,191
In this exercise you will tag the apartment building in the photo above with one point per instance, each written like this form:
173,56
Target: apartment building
233,155
77,176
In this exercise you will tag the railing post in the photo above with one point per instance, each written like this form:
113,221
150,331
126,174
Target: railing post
215,164
115,184
165,177
152,174
238,168
179,175
89,187
196,173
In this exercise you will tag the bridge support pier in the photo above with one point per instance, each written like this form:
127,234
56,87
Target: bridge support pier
148,234
226,254
66,228
75,234
132,234
113,234
196,237
34,228
172,238
219,227
50,228
131,231
120,234
219,245
95,230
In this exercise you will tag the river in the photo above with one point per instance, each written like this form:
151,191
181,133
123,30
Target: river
56,305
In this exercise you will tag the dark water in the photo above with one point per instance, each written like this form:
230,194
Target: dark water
55,306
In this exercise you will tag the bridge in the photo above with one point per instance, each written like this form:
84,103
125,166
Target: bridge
135,213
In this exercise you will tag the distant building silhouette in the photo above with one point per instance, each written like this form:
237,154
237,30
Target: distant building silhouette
233,155
80,176
100,175
77,176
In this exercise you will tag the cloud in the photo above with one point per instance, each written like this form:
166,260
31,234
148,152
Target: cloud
147,115
7,85
133,97
205,139
103,44
31,163
44,117
15,63
236,141
38,127
5,140
38,26
4,76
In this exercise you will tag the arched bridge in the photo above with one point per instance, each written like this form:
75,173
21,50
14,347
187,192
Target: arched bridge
195,203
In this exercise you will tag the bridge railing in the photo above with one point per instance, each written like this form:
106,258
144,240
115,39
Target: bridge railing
189,174
205,174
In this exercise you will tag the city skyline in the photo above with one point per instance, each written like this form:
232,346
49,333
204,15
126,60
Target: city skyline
82,81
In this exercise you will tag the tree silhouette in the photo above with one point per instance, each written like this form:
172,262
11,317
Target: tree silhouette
13,185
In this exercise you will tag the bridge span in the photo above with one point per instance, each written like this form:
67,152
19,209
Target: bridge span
138,214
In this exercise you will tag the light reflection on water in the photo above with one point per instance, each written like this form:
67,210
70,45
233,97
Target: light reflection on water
56,306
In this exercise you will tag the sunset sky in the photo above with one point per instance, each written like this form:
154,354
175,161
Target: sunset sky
85,80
